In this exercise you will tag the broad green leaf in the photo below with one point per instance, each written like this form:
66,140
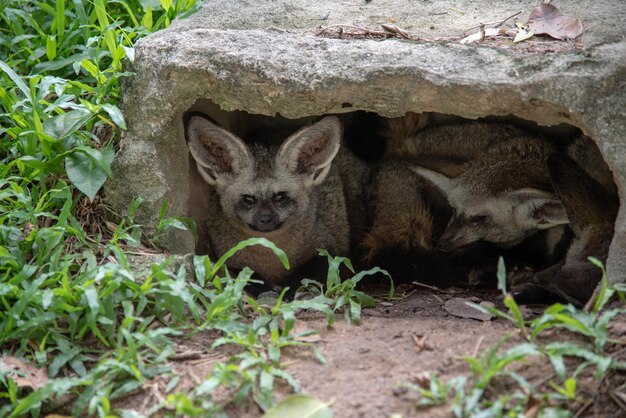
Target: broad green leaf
152,4
93,70
146,20
119,54
570,386
282,256
86,172
604,294
202,265
101,13
80,11
59,20
166,4
109,38
60,63
115,114
67,123
16,79
130,12
104,157
514,309
90,67
299,406
51,47
557,363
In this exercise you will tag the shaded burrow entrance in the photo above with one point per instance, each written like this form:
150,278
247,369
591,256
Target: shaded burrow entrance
233,63
377,140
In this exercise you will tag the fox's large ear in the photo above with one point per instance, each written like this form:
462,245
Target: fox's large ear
311,150
585,200
218,153
538,209
441,181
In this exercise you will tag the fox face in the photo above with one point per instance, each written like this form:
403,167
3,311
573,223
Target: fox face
491,203
262,189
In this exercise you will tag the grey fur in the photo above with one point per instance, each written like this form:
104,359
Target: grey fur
503,192
321,181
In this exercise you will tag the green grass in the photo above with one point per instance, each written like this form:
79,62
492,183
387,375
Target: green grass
71,301
477,395
72,304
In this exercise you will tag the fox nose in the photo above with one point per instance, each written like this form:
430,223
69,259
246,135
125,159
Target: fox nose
266,221
446,245
265,218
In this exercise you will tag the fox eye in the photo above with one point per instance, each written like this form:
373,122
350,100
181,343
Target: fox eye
478,219
248,199
279,197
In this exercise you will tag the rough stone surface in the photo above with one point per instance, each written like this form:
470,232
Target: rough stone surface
264,58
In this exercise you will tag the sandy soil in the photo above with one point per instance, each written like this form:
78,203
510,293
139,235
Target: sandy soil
397,343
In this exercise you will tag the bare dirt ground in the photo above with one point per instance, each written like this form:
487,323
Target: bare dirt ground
397,343
367,365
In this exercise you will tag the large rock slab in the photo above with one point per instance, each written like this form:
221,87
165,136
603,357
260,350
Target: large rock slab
265,58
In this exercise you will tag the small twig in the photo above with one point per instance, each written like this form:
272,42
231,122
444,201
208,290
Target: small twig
342,26
617,399
508,18
188,355
437,298
398,298
427,286
477,347
214,357
592,300
341,30
496,24
583,409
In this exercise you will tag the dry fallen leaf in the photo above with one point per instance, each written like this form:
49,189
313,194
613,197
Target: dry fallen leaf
547,19
533,408
422,379
523,33
480,35
24,374
396,31
459,307
420,342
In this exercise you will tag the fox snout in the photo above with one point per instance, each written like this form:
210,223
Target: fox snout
454,237
448,243
265,220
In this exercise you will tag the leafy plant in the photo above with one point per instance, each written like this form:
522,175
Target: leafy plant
470,397
344,292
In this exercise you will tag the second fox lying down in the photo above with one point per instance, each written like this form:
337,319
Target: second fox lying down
434,212
517,191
